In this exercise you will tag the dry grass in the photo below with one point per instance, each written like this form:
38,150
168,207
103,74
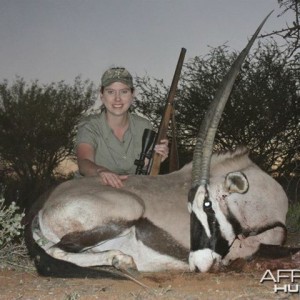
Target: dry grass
15,256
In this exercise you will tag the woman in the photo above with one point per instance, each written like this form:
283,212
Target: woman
108,143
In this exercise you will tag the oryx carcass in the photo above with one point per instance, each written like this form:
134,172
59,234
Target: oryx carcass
233,207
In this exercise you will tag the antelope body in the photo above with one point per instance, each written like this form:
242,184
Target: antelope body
149,225
87,224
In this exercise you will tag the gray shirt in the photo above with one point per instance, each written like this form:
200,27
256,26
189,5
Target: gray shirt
117,156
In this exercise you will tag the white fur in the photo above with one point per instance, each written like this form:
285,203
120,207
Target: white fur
203,260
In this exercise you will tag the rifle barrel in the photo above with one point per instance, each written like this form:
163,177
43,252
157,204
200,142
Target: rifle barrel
168,110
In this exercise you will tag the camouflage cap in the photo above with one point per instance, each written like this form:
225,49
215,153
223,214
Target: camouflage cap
116,75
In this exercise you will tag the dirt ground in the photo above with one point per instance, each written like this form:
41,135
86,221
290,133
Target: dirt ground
240,282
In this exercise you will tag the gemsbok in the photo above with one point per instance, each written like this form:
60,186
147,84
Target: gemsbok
214,210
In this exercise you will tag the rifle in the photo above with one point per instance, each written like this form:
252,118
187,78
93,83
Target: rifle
147,145
155,162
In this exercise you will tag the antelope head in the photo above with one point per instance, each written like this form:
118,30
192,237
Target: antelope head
211,233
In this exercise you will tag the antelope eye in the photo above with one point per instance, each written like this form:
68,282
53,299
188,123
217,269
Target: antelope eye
206,204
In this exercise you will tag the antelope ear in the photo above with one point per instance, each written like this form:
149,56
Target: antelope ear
236,182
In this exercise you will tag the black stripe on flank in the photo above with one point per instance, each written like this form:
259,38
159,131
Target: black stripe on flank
77,241
46,265
159,240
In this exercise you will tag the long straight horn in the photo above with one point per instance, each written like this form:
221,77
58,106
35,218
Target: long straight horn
207,132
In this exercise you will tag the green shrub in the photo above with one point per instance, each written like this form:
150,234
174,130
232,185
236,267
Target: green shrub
10,223
293,217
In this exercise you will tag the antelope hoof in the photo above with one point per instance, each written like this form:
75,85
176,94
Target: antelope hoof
124,262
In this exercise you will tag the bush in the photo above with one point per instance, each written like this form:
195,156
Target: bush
10,223
293,217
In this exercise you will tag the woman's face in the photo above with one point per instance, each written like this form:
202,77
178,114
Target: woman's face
117,98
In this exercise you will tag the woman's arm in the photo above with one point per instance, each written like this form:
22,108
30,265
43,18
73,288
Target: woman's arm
87,167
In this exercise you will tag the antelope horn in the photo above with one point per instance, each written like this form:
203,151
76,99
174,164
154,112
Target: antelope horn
204,144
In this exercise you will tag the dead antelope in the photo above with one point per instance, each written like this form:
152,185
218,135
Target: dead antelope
233,207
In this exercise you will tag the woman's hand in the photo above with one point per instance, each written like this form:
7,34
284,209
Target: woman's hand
162,149
110,178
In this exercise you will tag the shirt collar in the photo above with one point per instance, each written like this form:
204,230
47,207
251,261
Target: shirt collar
106,130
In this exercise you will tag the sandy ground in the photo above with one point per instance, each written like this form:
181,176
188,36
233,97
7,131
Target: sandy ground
23,285
231,285
240,282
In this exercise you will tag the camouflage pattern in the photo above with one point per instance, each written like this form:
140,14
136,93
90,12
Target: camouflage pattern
116,75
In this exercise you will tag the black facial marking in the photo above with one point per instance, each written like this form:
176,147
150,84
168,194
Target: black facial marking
199,239
207,205
217,242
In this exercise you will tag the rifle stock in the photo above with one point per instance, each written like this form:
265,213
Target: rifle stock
168,110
